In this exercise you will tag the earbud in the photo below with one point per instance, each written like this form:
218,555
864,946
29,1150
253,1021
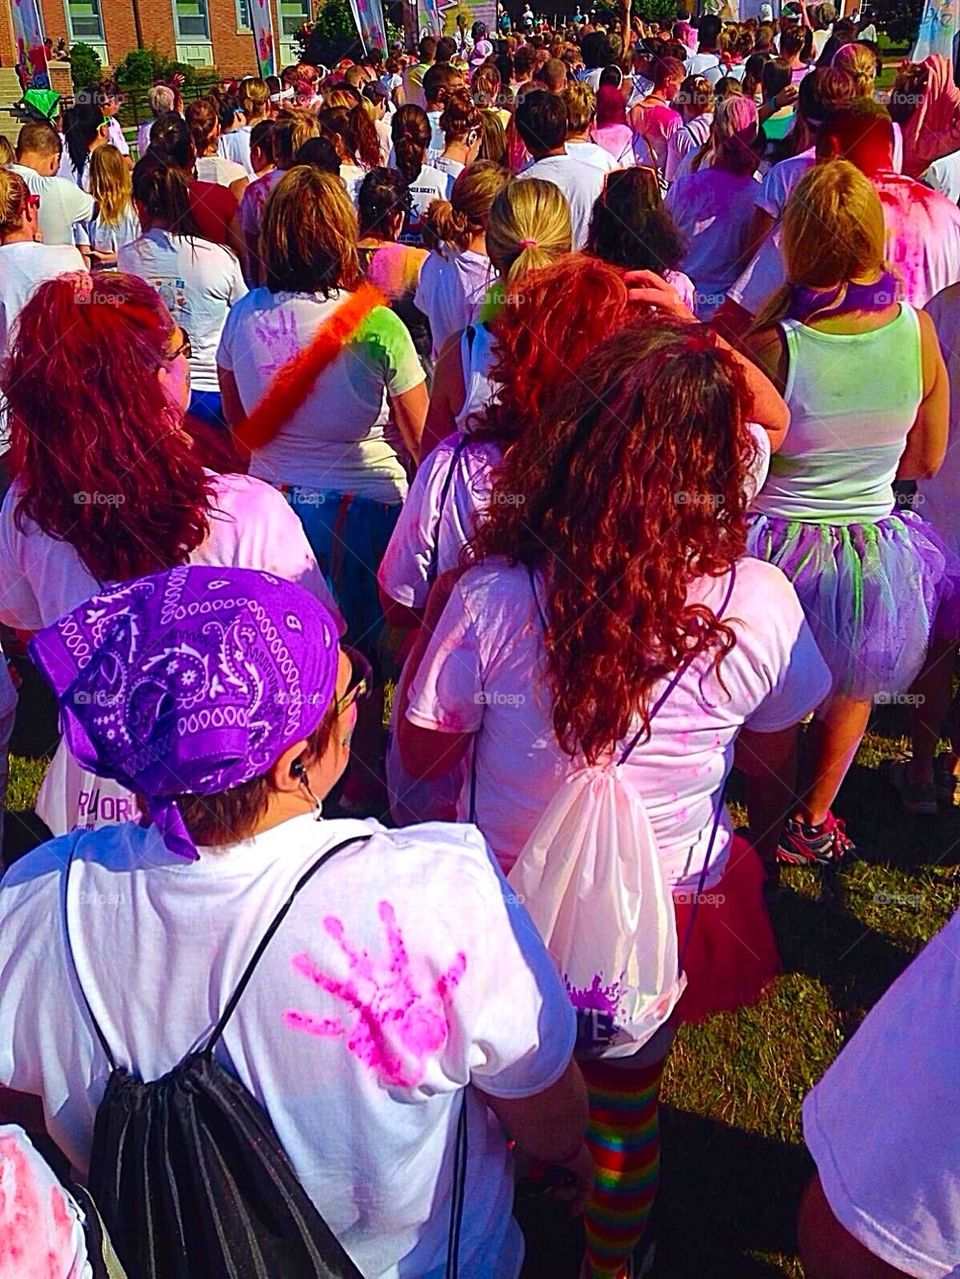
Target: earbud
297,770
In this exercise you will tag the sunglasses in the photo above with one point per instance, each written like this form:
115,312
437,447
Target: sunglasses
184,349
361,680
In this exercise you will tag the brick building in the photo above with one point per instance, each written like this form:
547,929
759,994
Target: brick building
202,32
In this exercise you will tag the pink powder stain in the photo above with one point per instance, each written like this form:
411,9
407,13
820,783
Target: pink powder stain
33,1244
402,1010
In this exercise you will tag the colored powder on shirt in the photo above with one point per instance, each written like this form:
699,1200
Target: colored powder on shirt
402,1013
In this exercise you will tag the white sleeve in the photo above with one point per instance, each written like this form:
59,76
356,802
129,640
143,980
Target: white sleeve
225,349
775,657
883,1124
404,573
447,692
79,204
236,288
19,607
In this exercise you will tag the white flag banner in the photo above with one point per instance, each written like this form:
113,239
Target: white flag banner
938,26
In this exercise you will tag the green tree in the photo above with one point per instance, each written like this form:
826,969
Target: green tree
898,18
331,36
85,65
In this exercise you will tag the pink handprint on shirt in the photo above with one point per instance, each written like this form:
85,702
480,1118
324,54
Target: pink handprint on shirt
277,331
402,1010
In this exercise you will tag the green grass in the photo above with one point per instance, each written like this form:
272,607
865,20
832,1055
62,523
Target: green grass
733,1157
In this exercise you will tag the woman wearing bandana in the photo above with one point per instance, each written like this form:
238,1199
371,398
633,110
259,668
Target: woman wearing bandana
867,390
402,973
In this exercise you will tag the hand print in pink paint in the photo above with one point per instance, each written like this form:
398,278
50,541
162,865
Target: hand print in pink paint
402,1008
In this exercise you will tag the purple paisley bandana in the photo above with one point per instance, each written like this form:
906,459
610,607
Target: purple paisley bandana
190,682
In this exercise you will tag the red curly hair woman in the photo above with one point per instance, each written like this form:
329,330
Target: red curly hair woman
610,557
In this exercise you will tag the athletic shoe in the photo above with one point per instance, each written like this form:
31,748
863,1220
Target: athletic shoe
805,845
919,798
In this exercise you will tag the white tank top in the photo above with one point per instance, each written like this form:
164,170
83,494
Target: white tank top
853,399
476,358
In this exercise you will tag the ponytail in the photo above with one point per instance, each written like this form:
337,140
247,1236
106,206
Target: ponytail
411,133
465,215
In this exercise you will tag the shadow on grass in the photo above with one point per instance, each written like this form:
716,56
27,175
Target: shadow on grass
708,1223
713,1223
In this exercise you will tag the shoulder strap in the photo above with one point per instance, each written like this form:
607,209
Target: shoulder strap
459,1192
678,673
434,566
267,937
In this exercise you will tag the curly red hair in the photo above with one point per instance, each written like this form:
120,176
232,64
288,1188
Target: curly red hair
98,454
551,320
630,485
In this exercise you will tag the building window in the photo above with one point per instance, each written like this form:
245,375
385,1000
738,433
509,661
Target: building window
293,14
243,15
84,21
192,19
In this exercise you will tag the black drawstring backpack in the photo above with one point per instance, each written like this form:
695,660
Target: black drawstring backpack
190,1176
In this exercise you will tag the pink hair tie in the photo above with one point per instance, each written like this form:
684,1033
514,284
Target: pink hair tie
529,244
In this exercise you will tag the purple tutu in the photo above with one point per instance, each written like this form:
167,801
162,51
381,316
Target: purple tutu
870,592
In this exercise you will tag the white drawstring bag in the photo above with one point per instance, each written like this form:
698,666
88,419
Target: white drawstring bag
590,878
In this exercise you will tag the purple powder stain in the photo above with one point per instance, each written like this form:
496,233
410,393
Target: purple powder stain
605,999
401,1009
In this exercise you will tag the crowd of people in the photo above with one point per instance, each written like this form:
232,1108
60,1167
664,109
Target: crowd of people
576,402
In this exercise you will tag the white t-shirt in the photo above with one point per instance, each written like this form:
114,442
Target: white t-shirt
336,439
199,283
69,173
592,153
415,926
351,175
431,525
235,146
581,183
883,1122
941,495
115,136
429,185
706,64
452,167
686,142
251,526
714,210
451,290
22,267
62,204
218,169
779,183
109,239
483,673
944,176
